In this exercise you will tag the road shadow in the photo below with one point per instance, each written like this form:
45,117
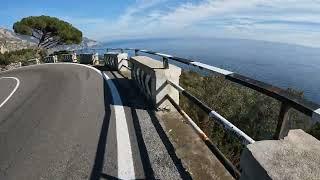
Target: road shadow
137,100
102,68
96,171
169,147
106,176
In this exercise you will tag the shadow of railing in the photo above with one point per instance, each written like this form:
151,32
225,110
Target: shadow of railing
131,98
286,100
96,172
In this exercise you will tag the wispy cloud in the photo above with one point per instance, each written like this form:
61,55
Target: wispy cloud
291,21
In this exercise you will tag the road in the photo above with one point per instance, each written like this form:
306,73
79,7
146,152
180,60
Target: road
69,121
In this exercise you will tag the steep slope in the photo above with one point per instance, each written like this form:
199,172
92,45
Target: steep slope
10,41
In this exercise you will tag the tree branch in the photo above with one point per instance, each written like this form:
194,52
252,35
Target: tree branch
51,43
48,36
47,40
35,36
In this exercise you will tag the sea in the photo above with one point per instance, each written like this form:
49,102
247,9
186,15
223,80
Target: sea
279,64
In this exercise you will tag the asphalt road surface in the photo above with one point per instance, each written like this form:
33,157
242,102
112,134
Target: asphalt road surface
69,121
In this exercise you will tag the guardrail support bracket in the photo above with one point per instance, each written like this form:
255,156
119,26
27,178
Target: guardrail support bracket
283,122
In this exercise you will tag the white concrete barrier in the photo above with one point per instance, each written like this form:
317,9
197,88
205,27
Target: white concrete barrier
152,78
51,59
74,57
116,61
96,59
66,57
86,58
34,61
295,157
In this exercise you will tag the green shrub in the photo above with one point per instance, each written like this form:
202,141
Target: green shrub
254,113
315,130
21,55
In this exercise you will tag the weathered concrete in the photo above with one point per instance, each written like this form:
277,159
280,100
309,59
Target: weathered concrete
151,78
96,59
51,59
199,161
86,58
33,61
297,156
74,57
116,61
66,58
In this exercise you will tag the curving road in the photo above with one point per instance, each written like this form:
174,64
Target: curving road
67,121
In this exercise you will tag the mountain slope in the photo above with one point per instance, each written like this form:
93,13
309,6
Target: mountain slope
10,41
86,43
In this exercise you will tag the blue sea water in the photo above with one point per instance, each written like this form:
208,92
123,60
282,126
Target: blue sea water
282,65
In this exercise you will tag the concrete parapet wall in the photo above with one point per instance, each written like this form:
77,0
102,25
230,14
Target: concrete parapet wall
33,61
151,78
116,61
86,58
74,57
295,157
66,58
51,59
96,59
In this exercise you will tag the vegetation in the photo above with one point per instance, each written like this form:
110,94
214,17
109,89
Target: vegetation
254,113
20,55
49,31
61,52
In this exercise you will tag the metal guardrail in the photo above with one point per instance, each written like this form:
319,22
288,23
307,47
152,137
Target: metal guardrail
243,137
287,100
214,149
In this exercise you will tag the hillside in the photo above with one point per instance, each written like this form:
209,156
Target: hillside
10,41
86,43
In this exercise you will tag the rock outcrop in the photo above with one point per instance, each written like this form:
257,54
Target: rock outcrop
10,41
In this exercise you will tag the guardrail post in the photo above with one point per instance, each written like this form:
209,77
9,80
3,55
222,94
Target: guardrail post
55,59
165,63
136,52
283,122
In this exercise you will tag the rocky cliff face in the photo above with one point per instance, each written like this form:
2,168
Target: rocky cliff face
10,41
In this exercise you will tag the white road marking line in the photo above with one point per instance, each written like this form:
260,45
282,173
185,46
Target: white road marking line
13,91
125,161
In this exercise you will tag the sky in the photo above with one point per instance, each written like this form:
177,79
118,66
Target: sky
286,21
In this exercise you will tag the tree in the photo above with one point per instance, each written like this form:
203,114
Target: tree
49,31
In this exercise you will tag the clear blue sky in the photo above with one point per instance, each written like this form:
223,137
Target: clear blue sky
289,21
